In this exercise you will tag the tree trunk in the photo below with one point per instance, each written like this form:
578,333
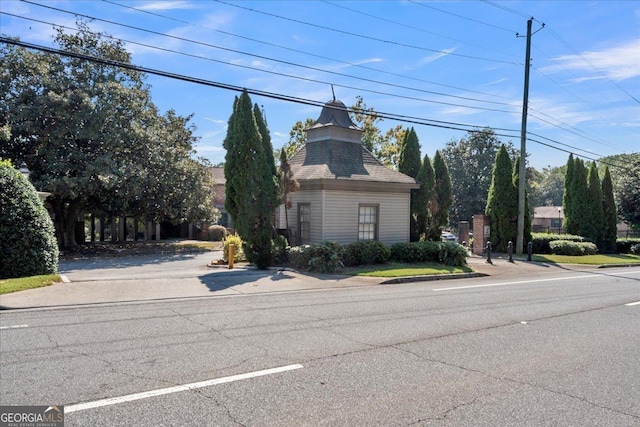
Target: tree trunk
65,214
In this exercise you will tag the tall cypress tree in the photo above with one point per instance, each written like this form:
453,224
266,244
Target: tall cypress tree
594,220
442,197
266,138
254,184
566,197
579,199
231,164
409,164
424,195
527,212
609,210
502,202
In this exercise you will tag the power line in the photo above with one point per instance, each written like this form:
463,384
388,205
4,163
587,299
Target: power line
359,12
363,36
273,95
586,61
351,64
277,96
287,63
464,17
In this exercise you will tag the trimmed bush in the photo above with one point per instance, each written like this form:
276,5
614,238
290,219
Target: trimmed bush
624,245
566,247
635,249
369,252
321,258
541,241
216,233
448,253
28,245
238,252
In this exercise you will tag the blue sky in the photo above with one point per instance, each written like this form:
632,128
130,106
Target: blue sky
455,62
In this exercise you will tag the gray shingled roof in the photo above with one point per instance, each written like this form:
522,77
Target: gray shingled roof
334,113
342,160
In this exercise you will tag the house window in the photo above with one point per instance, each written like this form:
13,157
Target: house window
368,222
304,223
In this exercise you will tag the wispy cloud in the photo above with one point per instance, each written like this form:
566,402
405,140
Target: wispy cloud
168,5
217,121
618,63
434,57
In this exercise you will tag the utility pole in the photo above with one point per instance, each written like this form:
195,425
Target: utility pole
523,142
523,145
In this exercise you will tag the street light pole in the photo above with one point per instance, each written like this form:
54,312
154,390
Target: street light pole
559,219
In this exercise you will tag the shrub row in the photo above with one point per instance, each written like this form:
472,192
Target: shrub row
626,245
328,257
567,247
541,241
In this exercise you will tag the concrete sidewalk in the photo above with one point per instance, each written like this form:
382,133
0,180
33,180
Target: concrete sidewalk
127,281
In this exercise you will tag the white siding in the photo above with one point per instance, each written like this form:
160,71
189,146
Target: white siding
314,198
340,222
341,218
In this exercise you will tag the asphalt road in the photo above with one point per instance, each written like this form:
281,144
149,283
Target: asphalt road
555,350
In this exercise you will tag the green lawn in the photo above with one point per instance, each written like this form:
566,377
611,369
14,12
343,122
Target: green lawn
20,284
404,270
589,259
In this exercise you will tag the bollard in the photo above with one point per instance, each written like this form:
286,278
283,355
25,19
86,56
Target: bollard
510,250
529,250
231,255
489,253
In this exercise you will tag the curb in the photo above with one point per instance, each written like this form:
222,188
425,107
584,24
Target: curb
433,277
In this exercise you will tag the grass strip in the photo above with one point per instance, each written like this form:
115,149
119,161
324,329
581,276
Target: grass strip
8,286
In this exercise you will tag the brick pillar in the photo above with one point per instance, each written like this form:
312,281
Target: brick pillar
480,237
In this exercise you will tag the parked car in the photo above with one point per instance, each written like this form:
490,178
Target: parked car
446,236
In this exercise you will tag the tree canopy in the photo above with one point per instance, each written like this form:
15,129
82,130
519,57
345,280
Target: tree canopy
92,136
470,162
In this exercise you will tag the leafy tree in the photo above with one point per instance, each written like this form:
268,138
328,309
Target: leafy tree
442,198
610,232
28,243
527,205
594,220
297,137
567,204
547,187
287,185
409,164
502,202
425,196
625,174
252,185
91,135
470,161
628,199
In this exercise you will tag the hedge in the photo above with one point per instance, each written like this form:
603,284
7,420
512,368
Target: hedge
624,246
541,241
571,248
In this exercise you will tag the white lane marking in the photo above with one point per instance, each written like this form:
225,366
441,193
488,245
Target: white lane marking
162,391
14,327
634,303
556,279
